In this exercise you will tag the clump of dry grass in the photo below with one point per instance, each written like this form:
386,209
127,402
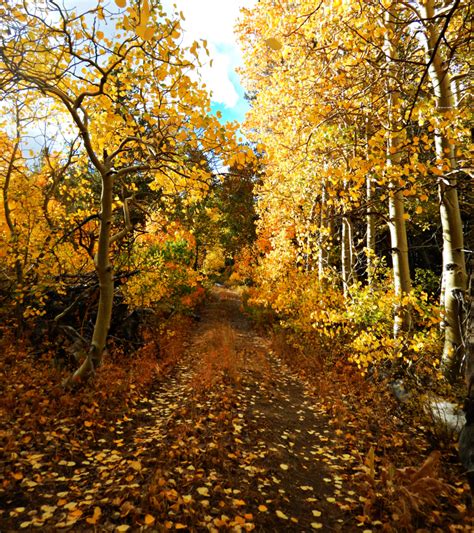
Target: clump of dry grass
220,361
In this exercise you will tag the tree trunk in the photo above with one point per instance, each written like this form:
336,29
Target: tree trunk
398,235
347,255
106,283
323,235
454,267
370,239
370,219
14,243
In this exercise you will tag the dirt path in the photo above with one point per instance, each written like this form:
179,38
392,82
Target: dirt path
279,462
231,440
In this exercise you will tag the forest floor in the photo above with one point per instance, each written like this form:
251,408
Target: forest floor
230,438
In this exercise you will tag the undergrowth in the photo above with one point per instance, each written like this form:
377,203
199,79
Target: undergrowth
408,475
33,400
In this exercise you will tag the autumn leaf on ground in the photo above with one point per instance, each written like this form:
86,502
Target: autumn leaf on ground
149,520
95,517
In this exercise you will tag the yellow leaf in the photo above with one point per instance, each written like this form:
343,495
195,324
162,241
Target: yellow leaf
136,465
121,3
48,508
316,525
122,528
145,11
282,515
284,467
263,508
70,506
273,43
180,526
203,491
419,210
316,513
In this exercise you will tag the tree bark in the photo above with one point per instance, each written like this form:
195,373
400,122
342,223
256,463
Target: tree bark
370,238
323,235
454,267
106,282
347,255
398,234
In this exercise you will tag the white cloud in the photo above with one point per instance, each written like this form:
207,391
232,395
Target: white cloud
210,19
213,21
217,79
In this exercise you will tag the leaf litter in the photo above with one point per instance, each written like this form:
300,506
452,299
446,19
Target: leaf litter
232,438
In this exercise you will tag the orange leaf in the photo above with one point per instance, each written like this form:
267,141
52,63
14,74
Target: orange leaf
149,519
95,517
149,32
140,31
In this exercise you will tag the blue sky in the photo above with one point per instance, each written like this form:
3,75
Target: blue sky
231,110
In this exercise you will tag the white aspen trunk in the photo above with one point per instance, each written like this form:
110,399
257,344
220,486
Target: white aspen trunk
323,236
106,283
370,239
309,237
370,220
347,255
345,260
454,266
398,235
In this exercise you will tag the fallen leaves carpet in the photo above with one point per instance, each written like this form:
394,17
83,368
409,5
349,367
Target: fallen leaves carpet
231,439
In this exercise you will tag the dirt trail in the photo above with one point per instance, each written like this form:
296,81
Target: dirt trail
285,443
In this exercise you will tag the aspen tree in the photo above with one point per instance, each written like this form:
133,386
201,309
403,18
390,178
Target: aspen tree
398,234
130,99
454,267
